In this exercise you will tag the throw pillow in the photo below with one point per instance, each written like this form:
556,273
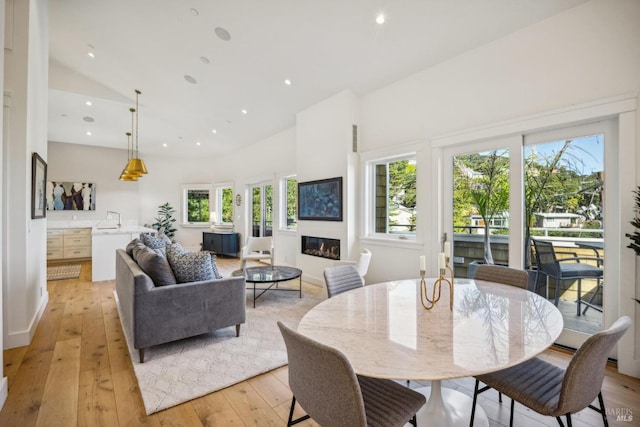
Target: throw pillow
137,248
132,244
189,266
154,263
155,242
214,265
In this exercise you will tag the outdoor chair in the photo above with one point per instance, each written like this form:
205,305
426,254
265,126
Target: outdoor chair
566,269
553,391
324,383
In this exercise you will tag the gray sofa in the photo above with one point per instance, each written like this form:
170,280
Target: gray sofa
153,315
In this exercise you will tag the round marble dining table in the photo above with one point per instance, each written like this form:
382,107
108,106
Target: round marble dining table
385,332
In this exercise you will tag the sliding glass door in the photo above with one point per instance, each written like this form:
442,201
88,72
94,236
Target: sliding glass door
548,186
261,209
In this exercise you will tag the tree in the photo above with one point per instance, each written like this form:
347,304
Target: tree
485,179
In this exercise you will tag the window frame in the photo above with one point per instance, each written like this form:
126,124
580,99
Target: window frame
284,202
217,207
186,188
369,168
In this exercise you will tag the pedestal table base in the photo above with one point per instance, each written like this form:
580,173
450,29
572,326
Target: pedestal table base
448,408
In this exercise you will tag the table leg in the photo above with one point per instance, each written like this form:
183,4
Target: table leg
254,294
448,407
300,284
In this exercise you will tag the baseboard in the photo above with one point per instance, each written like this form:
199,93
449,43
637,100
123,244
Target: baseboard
4,391
22,338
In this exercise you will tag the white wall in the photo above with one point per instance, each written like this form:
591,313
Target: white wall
4,385
24,242
324,150
98,165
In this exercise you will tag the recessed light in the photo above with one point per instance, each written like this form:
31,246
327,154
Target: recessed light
88,133
190,79
380,18
91,55
204,59
198,143
88,104
222,34
244,111
164,145
287,82
194,12
88,119
214,131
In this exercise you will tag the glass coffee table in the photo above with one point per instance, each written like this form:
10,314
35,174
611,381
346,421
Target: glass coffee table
273,275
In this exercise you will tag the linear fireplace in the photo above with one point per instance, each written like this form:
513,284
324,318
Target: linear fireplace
321,247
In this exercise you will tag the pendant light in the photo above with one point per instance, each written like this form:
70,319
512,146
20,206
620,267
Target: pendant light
126,176
136,164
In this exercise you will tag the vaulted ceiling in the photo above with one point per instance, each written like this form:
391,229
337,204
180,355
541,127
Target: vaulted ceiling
218,75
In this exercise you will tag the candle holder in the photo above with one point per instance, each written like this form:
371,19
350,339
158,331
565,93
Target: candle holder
429,303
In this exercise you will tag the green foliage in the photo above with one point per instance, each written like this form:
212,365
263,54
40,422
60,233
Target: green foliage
165,219
227,205
635,236
292,202
198,206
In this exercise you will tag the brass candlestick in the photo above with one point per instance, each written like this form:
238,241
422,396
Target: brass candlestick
437,288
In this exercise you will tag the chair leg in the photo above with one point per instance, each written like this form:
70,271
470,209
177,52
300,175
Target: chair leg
238,330
579,297
560,421
589,304
500,396
141,354
568,420
291,422
601,410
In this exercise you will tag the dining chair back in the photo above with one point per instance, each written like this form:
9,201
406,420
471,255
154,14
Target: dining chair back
362,264
553,391
572,268
341,279
257,248
324,383
500,274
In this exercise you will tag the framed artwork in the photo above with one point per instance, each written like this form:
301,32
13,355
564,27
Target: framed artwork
38,186
320,200
71,196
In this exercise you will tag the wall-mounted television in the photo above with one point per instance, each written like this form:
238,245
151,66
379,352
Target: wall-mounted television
320,200
71,196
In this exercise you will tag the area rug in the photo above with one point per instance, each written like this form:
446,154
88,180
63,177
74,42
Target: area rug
62,272
176,372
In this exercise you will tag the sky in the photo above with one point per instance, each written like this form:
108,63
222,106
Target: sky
589,149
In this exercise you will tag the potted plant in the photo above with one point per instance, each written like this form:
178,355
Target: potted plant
165,220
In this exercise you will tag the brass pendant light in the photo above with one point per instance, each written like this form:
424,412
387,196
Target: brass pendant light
136,165
126,176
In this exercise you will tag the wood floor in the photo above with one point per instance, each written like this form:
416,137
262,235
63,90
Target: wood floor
77,372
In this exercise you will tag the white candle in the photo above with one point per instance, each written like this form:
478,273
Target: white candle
447,249
441,260
423,263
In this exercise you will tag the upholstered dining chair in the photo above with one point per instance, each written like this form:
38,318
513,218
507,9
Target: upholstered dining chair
553,391
362,264
324,383
500,274
341,279
566,269
257,248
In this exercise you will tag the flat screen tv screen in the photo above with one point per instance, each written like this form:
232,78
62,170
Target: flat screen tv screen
71,196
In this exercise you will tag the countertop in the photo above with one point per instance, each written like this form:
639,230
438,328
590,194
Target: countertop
125,229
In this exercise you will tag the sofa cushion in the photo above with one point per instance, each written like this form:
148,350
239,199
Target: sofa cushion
155,242
155,264
189,266
137,247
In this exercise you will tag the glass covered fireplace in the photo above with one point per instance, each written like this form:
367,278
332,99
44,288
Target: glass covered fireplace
321,247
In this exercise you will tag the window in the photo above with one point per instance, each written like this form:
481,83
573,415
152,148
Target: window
393,199
196,204
261,210
223,206
290,203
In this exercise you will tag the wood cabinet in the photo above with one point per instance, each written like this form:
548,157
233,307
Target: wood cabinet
221,243
70,243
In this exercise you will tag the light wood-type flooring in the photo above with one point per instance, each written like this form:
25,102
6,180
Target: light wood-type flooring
77,372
